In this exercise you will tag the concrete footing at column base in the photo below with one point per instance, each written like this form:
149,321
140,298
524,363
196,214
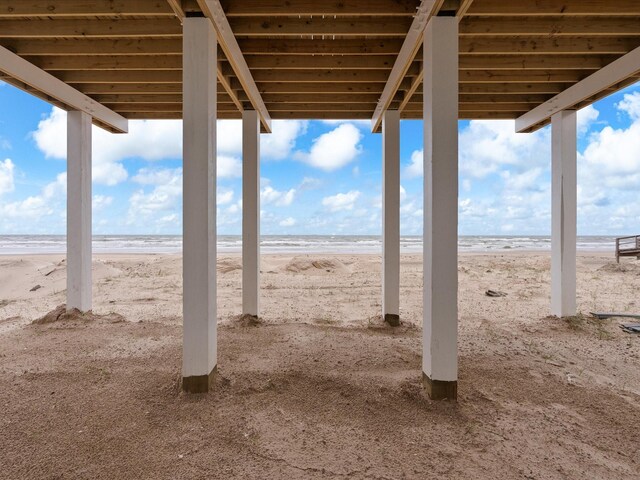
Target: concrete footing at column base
440,389
392,319
199,383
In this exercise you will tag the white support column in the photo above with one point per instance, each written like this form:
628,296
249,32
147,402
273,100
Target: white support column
563,213
79,211
199,354
250,212
391,217
440,323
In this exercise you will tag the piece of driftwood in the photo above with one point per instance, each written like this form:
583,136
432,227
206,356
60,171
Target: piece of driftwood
603,316
631,327
494,293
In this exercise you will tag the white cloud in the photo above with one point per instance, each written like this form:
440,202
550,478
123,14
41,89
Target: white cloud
416,165
228,167
101,202
7,172
334,149
288,222
48,202
147,139
279,144
586,117
268,195
341,201
224,196
488,146
164,197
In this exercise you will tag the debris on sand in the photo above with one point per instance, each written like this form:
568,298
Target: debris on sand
631,327
37,287
301,264
495,293
228,265
246,320
626,267
60,314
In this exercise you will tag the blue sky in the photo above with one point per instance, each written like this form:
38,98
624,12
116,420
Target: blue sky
318,177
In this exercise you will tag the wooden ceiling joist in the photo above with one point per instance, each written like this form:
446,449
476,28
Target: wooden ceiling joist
71,8
408,51
227,41
28,74
335,59
90,28
618,71
343,26
274,8
530,8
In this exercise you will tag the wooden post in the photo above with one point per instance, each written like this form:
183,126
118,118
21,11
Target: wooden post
78,211
250,213
440,247
563,213
199,355
391,217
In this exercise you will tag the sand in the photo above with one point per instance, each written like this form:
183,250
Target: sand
320,387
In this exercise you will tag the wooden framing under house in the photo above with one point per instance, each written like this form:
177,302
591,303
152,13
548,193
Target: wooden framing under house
533,61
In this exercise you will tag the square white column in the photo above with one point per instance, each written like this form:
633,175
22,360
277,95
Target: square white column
78,211
440,322
391,217
250,212
563,213
199,204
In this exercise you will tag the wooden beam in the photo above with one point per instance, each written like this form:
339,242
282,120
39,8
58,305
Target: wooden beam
548,45
226,84
323,87
128,88
70,8
522,76
115,76
551,26
304,7
319,46
463,7
227,40
320,62
94,46
410,47
106,62
534,62
530,8
302,75
615,72
321,25
84,28
176,7
42,81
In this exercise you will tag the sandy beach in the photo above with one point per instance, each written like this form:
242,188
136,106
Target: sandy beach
320,388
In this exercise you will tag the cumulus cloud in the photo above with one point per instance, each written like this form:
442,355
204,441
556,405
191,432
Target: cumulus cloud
147,139
7,172
288,222
416,165
341,201
48,202
612,156
165,196
271,196
488,146
334,149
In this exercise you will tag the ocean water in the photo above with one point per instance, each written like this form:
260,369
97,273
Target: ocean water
36,244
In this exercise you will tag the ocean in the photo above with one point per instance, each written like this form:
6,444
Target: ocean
38,244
